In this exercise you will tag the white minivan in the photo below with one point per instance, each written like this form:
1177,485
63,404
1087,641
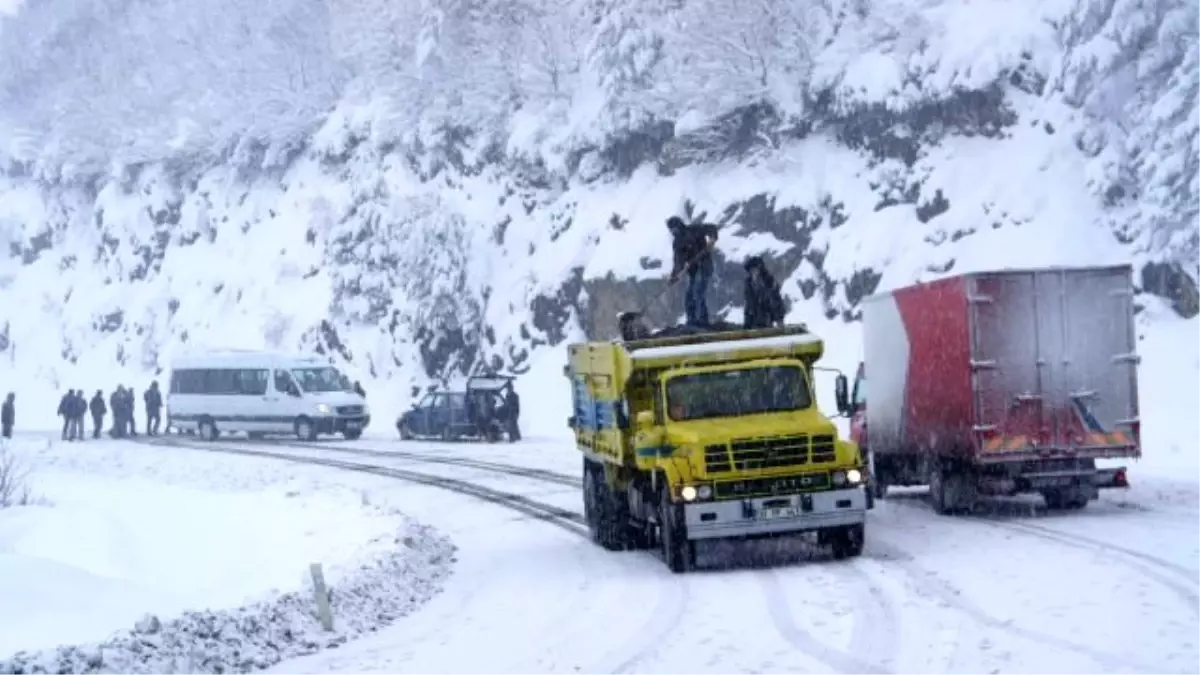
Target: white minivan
262,393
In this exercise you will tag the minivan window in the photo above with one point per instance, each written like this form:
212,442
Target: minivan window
324,379
220,381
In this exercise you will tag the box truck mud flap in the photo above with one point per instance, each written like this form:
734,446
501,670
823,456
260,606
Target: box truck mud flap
776,515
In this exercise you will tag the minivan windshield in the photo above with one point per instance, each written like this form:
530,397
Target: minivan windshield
733,393
317,380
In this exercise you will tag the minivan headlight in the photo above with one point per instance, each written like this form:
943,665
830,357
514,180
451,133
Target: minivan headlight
366,409
854,476
324,408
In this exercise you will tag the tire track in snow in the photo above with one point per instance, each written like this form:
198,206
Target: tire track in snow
565,519
876,628
1179,579
929,583
669,610
804,641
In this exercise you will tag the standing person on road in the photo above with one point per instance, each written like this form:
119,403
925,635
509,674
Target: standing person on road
154,403
99,410
116,403
130,411
64,411
79,408
8,415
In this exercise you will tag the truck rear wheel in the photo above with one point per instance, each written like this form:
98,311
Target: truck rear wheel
1064,499
678,552
607,515
950,491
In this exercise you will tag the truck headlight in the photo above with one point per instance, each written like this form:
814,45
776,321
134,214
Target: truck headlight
688,493
839,477
324,409
854,476
705,492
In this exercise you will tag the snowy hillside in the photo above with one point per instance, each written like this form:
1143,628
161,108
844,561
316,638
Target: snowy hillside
422,188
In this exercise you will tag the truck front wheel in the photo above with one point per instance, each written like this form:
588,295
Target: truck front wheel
678,552
848,541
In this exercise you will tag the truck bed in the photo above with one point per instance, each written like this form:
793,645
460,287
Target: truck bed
1004,366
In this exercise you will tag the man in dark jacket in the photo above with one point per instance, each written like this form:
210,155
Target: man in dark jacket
512,414
8,415
116,404
692,246
764,302
79,408
130,412
65,404
154,403
99,410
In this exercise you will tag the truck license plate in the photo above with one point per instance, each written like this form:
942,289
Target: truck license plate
784,512
352,426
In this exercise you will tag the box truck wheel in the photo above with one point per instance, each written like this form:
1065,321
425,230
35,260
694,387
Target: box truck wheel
1064,499
678,552
950,491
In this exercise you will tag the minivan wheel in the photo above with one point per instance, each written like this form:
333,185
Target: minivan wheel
207,430
305,430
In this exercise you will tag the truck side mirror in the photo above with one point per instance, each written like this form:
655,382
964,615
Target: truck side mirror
571,421
645,419
841,392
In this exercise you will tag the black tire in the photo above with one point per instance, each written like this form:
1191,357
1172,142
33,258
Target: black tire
951,492
256,435
352,435
207,429
606,513
848,541
305,429
1071,500
405,434
678,553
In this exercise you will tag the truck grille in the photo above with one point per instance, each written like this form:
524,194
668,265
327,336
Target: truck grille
768,453
349,410
775,485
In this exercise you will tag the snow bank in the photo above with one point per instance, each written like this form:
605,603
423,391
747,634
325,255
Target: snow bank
225,569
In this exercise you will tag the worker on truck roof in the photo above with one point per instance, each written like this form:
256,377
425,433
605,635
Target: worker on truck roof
764,302
692,246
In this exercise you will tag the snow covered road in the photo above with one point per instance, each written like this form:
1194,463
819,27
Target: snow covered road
1111,589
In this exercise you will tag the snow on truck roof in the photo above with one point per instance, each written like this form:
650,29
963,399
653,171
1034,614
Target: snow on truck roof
715,347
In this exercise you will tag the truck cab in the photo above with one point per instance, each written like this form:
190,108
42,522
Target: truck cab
712,436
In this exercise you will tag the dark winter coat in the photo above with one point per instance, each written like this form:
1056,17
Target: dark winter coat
764,302
8,413
512,404
116,403
153,400
66,405
79,405
97,406
690,246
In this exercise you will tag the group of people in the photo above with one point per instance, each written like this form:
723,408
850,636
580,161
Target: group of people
490,413
73,408
692,246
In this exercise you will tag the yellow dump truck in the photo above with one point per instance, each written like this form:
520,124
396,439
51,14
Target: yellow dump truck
712,435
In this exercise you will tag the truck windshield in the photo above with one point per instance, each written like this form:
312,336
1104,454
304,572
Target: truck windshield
321,379
733,393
